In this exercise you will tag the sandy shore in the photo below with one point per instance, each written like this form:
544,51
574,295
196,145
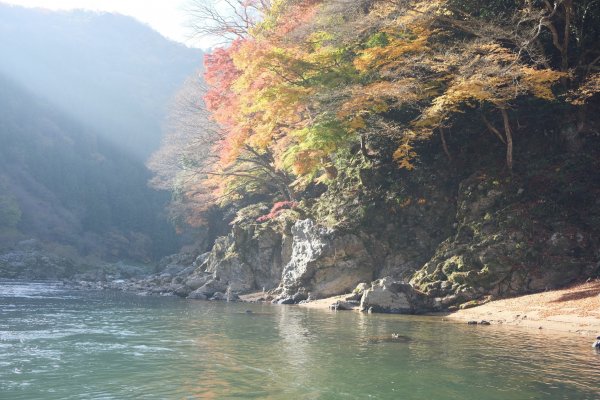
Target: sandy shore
574,310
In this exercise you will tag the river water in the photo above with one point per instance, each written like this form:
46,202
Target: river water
57,343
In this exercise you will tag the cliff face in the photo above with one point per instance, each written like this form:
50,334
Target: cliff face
327,246
459,237
517,236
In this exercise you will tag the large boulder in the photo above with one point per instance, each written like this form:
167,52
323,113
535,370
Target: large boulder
250,258
389,296
325,262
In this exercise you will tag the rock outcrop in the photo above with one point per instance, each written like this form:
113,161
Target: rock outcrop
389,296
35,265
241,262
509,241
324,263
426,249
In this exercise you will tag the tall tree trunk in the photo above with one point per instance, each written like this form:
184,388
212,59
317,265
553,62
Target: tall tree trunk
509,139
445,145
568,5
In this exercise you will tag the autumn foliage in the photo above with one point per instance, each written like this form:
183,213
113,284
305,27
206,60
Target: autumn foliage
277,209
310,82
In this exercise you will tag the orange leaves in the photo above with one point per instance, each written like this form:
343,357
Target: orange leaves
391,56
220,75
306,161
405,156
305,90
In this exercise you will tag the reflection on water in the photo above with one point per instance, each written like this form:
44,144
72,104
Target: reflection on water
60,344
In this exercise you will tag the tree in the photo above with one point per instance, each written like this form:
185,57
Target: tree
185,157
305,83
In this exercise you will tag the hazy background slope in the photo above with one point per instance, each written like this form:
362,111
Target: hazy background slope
71,186
82,100
108,70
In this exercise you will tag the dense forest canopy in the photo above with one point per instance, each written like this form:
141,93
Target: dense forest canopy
306,89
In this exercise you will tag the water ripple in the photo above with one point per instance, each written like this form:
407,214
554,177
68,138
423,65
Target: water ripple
105,345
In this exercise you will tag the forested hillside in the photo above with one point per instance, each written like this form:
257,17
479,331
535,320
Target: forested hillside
82,103
107,70
453,143
60,182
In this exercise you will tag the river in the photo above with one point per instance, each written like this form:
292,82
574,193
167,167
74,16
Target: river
59,343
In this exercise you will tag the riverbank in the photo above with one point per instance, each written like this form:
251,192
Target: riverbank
575,309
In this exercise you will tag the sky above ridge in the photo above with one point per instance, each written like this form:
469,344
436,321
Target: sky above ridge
165,16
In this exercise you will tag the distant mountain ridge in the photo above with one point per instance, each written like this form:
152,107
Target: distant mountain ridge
107,70
60,183
82,99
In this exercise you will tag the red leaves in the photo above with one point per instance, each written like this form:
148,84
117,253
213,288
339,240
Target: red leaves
277,209
220,74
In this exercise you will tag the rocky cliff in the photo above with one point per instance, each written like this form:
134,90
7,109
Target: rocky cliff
433,239
440,239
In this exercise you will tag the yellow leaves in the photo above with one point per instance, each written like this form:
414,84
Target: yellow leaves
360,104
377,98
420,14
461,91
405,156
318,40
357,123
494,52
477,87
408,14
540,81
589,88
486,73
391,56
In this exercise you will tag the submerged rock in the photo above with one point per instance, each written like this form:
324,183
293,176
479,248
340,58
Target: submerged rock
287,300
343,305
393,338
196,295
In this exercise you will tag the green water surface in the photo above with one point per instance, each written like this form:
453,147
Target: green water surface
57,343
